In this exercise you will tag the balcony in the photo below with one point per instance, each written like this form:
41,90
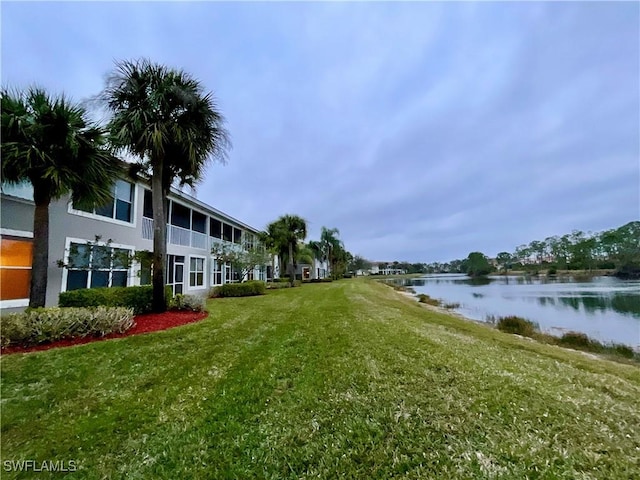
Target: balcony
218,241
176,235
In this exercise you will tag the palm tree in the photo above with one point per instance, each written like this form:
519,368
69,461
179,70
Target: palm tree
164,118
332,245
50,143
285,233
318,250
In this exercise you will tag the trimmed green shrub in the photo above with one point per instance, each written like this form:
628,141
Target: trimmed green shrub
246,289
42,325
137,298
318,280
191,303
517,325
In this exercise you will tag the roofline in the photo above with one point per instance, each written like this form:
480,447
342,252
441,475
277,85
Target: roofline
190,198
179,193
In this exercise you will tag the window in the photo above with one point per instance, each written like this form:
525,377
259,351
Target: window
250,240
146,267
15,268
22,190
237,235
227,232
198,222
93,266
196,272
216,273
180,215
119,207
175,273
215,228
147,205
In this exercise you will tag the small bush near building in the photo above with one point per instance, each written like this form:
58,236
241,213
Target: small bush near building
246,289
517,325
43,325
191,303
318,280
138,298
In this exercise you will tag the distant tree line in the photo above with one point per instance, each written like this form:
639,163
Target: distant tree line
617,249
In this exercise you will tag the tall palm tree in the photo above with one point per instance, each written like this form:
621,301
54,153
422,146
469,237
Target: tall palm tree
317,250
285,233
49,142
332,245
164,118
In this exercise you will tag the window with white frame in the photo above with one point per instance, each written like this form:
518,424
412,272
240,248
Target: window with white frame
216,272
119,207
196,272
93,266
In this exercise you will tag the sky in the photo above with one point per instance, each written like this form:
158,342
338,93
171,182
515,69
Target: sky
422,131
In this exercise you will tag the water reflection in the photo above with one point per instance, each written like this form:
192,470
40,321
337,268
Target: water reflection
617,302
475,281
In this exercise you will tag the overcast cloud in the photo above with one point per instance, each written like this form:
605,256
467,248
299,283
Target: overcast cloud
422,131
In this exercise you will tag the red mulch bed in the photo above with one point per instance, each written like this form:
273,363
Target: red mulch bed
146,323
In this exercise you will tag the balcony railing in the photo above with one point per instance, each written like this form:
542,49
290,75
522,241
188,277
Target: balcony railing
176,235
179,236
218,241
198,240
147,228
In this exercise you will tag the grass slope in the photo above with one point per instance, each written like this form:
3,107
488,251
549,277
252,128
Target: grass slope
339,380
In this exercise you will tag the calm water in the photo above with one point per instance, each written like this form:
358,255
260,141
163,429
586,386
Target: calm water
605,308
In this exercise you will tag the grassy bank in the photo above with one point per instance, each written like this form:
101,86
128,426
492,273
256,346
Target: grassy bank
344,379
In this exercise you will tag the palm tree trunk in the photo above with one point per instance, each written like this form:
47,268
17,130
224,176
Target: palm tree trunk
159,303
40,256
292,272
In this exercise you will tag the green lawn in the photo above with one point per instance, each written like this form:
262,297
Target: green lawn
341,380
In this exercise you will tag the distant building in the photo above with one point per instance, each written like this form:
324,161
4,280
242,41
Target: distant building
383,268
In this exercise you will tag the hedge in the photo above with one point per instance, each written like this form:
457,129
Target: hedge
246,289
41,325
138,298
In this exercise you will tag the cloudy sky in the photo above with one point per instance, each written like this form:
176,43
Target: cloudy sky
422,131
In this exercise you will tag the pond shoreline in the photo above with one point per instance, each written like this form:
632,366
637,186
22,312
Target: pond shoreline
458,315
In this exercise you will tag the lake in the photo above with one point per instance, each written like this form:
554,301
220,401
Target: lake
605,308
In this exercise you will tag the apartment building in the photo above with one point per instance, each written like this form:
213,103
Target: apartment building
123,226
